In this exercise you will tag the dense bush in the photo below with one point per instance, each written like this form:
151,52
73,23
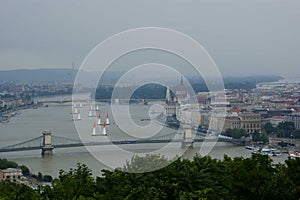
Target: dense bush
201,178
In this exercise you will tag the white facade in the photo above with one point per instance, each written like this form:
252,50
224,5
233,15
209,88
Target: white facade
10,174
294,118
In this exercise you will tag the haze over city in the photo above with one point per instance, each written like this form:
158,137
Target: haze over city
194,99
243,37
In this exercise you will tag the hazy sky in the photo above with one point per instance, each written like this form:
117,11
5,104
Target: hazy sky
244,37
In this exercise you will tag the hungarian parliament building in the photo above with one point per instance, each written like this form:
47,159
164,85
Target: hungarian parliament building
197,112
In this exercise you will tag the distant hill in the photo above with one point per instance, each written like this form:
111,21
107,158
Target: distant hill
54,75
68,75
155,91
256,79
38,75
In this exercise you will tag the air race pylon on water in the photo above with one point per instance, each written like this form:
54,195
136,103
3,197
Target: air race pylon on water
104,129
90,113
107,119
78,115
94,129
99,119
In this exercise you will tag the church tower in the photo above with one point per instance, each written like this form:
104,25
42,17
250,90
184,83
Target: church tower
181,92
168,95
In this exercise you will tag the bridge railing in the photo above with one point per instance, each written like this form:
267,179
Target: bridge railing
35,142
62,142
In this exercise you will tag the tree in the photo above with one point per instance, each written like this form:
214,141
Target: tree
25,170
26,193
47,178
264,137
292,171
285,129
239,133
236,133
268,128
40,176
260,137
297,134
255,136
11,190
256,177
150,162
73,184
4,164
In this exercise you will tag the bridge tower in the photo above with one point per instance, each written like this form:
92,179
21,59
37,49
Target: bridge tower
47,147
187,141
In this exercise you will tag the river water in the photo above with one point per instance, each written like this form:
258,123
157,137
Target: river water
59,119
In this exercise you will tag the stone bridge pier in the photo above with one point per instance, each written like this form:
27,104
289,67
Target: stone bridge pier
47,148
187,141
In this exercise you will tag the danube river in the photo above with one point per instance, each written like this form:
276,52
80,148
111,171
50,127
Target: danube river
59,119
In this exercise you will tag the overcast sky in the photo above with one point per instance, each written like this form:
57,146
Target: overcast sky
244,37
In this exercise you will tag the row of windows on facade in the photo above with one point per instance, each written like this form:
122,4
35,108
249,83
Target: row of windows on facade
10,174
246,125
10,177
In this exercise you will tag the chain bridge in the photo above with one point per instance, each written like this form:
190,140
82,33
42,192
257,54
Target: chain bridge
47,142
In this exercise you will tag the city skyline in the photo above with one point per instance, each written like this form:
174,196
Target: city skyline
243,38
152,99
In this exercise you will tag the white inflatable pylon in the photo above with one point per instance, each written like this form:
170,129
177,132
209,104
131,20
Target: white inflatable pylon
99,119
90,113
107,119
104,129
78,115
94,129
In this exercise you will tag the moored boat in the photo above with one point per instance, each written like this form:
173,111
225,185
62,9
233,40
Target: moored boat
267,151
252,147
294,154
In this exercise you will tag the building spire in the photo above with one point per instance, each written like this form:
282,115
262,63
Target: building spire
168,95
181,81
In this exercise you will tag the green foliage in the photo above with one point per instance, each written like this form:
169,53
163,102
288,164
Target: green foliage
156,91
285,129
148,163
47,178
40,176
148,91
297,134
4,96
292,171
249,175
236,133
183,179
77,183
264,137
7,190
268,128
25,170
240,85
260,137
4,164
10,190
256,177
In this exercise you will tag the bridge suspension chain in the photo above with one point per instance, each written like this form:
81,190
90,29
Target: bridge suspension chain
30,144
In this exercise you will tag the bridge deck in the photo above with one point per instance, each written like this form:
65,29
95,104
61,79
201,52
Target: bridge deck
24,146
